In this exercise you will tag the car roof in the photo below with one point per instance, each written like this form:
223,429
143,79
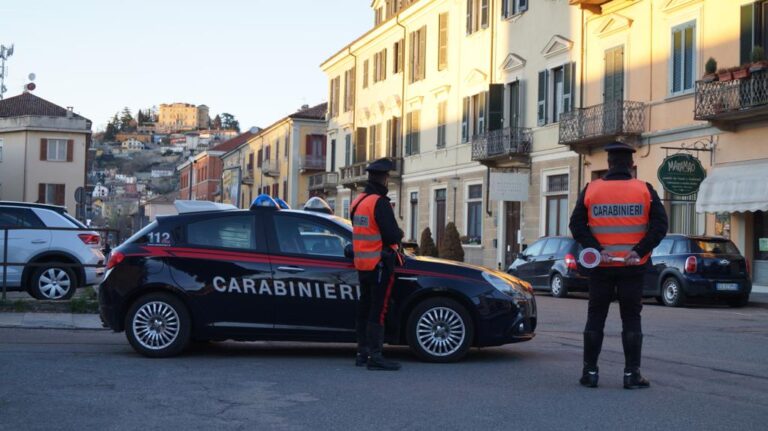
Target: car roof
57,208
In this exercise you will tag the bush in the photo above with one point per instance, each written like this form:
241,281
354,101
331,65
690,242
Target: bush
451,248
711,66
427,247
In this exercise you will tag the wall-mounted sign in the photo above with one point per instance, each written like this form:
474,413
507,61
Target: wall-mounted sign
681,174
509,186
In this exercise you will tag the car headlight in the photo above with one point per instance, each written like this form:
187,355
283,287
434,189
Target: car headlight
505,286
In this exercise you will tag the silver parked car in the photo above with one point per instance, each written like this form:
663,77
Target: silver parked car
56,262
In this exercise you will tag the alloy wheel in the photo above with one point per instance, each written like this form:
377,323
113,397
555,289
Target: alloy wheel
441,331
54,283
156,325
557,286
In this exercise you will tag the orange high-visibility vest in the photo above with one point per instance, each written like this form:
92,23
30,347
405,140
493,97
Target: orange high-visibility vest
366,236
619,212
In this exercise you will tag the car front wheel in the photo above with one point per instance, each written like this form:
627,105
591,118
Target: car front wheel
557,286
672,294
440,330
53,281
158,325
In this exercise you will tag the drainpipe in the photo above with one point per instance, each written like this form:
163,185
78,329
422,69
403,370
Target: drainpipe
354,118
492,24
402,122
581,96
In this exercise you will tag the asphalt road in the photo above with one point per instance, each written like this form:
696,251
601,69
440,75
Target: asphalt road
706,365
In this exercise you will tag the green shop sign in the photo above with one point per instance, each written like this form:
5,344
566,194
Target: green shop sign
681,174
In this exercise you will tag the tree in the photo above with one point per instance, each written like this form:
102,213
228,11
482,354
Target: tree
112,129
427,244
228,122
451,247
127,121
217,123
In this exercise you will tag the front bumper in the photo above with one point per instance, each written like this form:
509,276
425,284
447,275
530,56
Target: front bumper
505,320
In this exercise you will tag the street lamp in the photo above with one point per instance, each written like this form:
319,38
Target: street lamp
192,162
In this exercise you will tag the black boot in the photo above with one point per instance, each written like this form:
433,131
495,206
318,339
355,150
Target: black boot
593,343
361,357
375,342
633,346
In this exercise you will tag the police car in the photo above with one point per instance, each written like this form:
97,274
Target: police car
214,272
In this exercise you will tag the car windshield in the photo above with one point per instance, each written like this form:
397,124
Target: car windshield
714,246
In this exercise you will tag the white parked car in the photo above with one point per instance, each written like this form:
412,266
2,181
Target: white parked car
56,262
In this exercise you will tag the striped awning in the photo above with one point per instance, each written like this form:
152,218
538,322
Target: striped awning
738,187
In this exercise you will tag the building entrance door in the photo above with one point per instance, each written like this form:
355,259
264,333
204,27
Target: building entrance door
760,262
512,223
440,196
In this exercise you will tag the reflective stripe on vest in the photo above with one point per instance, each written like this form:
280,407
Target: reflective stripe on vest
366,236
618,215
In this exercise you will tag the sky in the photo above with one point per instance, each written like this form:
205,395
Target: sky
256,59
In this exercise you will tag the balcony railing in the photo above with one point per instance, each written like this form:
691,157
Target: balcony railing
738,100
356,174
323,181
270,168
501,144
603,123
312,162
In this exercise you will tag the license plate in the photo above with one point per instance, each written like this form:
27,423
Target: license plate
727,286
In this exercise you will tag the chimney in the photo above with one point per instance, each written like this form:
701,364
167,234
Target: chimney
304,107
69,111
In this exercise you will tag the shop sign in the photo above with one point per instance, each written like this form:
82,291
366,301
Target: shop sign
681,174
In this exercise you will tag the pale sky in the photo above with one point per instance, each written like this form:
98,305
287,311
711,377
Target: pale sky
258,60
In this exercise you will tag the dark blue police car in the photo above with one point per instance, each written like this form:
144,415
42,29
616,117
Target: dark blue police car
271,274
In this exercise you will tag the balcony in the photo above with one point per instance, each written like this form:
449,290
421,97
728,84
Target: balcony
355,175
270,168
591,5
728,103
312,162
323,182
586,128
508,147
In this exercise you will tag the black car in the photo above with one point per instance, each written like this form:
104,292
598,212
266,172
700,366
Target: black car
551,263
698,267
270,274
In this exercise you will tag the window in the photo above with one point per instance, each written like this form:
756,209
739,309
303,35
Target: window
380,66
347,150
683,57
441,124
18,217
227,232
555,93
412,133
551,247
418,54
442,42
365,74
465,120
349,90
296,235
345,208
477,15
397,56
535,248
475,214
682,214
374,140
556,217
334,99
754,28
51,194
664,248
394,128
56,150
413,232
513,7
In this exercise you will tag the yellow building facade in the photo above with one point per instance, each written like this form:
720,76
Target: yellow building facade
182,116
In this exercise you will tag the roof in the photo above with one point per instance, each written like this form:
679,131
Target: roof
316,112
233,143
29,104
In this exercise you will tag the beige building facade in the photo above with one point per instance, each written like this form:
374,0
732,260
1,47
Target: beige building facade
182,116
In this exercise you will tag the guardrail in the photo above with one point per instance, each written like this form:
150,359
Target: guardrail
104,242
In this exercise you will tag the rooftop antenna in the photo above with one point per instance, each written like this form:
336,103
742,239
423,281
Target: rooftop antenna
5,52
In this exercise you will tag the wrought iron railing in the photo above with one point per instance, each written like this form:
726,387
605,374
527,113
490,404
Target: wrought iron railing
608,120
356,173
312,162
719,99
270,168
323,181
509,141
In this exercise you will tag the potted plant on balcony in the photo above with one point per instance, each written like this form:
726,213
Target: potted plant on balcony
710,69
724,74
758,59
740,72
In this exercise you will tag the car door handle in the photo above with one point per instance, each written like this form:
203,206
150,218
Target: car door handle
39,241
290,268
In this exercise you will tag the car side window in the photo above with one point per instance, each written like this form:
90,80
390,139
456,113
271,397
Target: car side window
535,248
299,235
664,248
19,217
550,248
681,246
227,232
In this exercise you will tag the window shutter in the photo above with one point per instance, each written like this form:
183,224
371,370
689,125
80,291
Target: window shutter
261,157
58,191
308,145
747,35
333,155
416,131
465,120
568,84
384,64
347,150
442,49
41,193
496,107
469,16
505,8
677,60
276,189
70,149
408,133
484,13
541,112
688,49
360,144
365,74
422,52
43,149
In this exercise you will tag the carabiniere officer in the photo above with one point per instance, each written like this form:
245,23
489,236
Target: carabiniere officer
622,217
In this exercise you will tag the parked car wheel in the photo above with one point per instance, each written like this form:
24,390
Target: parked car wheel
672,292
739,302
53,281
557,286
440,330
158,325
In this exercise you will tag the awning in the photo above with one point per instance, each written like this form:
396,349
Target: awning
739,187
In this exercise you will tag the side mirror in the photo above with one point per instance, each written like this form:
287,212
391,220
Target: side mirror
349,252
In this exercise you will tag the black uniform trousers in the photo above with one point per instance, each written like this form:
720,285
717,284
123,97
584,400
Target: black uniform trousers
375,291
606,284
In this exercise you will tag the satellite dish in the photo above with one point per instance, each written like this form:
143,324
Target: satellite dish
32,76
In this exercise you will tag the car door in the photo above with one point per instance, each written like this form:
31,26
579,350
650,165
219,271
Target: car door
226,272
23,244
660,257
545,260
315,286
526,268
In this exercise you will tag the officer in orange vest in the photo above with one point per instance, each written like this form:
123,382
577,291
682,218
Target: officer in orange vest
624,219
375,237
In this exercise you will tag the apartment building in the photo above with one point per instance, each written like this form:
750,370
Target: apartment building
43,151
645,63
182,116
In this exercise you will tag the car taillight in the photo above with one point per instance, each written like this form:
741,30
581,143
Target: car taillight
570,261
115,259
690,264
90,238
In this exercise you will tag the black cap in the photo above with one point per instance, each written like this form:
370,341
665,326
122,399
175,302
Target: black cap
616,147
382,165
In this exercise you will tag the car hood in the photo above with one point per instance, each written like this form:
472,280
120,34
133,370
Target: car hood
451,267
